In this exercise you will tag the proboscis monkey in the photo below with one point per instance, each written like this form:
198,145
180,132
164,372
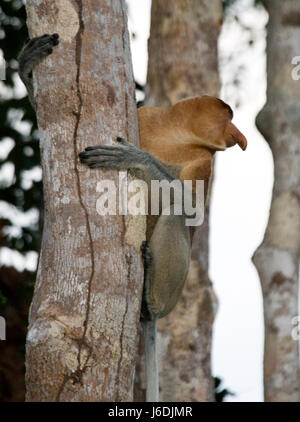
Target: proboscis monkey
177,142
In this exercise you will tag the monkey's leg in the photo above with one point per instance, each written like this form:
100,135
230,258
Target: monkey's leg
170,248
167,256
170,240
33,52
166,263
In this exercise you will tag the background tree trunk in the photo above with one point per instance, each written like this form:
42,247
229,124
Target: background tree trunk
183,62
83,327
277,258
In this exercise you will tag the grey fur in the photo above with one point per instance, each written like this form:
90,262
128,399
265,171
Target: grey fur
167,250
33,52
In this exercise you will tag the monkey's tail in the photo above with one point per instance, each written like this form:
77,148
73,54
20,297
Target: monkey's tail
149,328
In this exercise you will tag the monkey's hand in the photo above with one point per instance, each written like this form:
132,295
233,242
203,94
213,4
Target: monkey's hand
33,52
120,157
125,156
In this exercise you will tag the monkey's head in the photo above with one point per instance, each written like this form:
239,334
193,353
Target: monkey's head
232,135
210,120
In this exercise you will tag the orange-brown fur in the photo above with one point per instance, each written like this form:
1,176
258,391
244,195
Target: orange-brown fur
186,135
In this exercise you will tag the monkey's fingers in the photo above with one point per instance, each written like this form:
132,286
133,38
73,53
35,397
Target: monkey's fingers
103,157
103,162
125,156
123,141
34,51
97,154
92,147
93,150
44,39
120,140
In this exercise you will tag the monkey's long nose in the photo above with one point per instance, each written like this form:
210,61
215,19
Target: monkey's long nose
238,137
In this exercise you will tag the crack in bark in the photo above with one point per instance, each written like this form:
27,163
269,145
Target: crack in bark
124,72
77,375
60,390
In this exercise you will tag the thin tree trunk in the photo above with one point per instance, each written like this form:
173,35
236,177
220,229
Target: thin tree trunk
84,318
277,258
183,62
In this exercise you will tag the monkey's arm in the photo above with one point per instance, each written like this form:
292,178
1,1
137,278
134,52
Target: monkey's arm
125,156
33,52
169,244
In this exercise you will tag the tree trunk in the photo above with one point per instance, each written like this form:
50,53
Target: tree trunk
277,258
183,62
84,318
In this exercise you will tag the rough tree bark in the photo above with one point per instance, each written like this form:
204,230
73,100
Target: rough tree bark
183,62
277,258
84,318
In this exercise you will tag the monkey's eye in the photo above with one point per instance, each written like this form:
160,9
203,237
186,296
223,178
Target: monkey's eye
227,107
230,112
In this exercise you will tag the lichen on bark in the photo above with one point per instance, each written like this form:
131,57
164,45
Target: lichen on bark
84,318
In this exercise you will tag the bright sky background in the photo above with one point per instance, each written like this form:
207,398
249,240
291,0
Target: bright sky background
240,201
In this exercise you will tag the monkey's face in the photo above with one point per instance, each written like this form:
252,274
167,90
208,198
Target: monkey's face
212,123
231,135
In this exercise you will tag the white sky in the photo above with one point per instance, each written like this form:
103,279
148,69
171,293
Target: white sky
240,202
239,207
